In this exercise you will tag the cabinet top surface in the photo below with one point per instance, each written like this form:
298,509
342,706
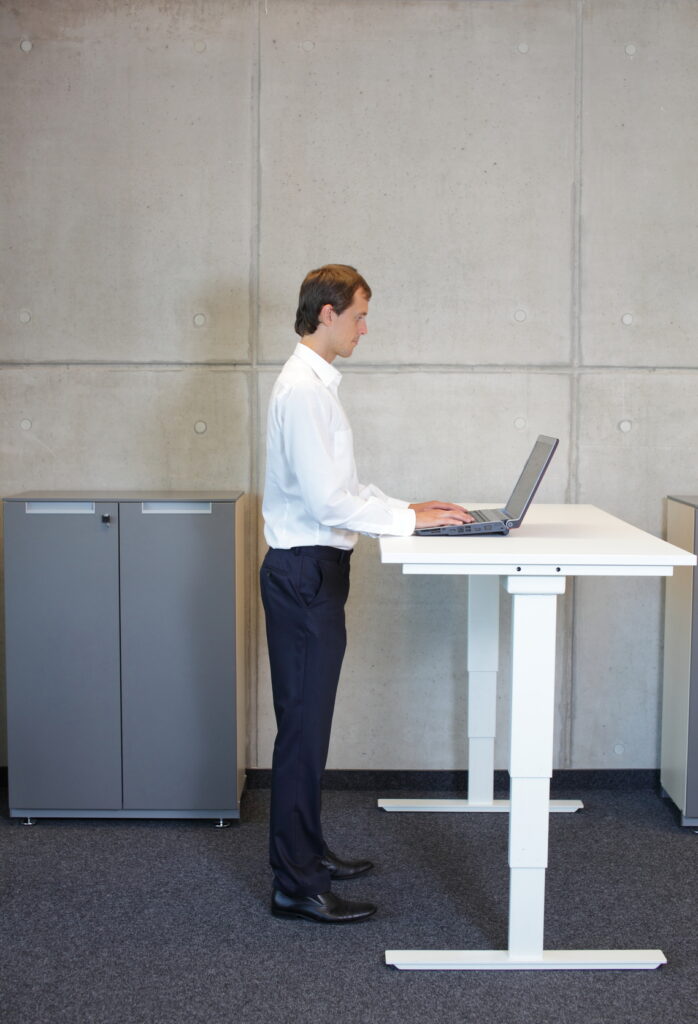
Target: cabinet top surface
685,499
140,495
570,535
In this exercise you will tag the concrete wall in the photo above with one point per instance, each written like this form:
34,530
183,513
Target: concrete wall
517,180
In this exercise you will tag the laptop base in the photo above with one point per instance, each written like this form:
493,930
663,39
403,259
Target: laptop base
463,531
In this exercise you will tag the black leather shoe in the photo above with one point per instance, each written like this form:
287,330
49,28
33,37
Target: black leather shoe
325,908
340,869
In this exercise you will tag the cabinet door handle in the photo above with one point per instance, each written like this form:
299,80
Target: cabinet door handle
173,507
106,518
59,507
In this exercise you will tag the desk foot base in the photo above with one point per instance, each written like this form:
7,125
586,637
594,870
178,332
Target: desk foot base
548,960
565,806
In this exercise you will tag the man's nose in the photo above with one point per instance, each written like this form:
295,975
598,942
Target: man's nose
364,327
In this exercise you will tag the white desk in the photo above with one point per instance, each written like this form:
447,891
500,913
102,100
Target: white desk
554,542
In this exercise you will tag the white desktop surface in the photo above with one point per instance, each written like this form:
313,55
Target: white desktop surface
577,539
533,561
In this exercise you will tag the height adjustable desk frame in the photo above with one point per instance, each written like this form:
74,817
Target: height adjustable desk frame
482,667
555,542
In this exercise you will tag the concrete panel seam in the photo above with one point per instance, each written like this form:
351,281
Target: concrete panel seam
253,525
501,368
129,364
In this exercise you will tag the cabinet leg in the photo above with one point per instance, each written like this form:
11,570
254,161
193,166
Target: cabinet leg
222,823
29,821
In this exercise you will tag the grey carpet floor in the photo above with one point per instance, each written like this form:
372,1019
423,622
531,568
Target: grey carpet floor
143,922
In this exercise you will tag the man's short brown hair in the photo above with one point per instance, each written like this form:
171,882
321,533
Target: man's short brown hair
336,284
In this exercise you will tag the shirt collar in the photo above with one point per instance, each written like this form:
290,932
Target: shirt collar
325,371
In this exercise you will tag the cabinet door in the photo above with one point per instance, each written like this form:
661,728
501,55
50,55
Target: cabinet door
178,655
62,634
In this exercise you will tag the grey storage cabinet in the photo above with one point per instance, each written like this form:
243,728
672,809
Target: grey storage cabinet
679,756
125,627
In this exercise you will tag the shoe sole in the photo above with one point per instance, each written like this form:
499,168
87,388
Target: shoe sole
321,920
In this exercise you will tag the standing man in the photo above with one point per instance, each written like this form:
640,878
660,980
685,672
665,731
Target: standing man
314,507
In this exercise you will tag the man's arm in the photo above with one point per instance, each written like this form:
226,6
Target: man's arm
428,513
326,477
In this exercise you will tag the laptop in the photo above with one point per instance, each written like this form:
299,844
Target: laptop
501,520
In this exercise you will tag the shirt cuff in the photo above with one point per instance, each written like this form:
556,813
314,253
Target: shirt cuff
404,522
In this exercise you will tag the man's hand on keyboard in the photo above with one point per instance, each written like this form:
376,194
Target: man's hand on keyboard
440,513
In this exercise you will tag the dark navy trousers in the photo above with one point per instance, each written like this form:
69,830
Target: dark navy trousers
304,591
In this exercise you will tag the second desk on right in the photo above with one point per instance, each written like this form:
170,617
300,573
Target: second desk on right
679,759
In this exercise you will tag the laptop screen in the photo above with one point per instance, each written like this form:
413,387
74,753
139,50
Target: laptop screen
531,475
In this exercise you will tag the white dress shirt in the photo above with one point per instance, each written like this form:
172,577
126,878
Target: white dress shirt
312,493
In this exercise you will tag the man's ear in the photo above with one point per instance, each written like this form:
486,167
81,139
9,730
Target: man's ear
326,314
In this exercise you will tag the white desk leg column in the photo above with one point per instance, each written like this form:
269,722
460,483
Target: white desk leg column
531,757
483,662
532,711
